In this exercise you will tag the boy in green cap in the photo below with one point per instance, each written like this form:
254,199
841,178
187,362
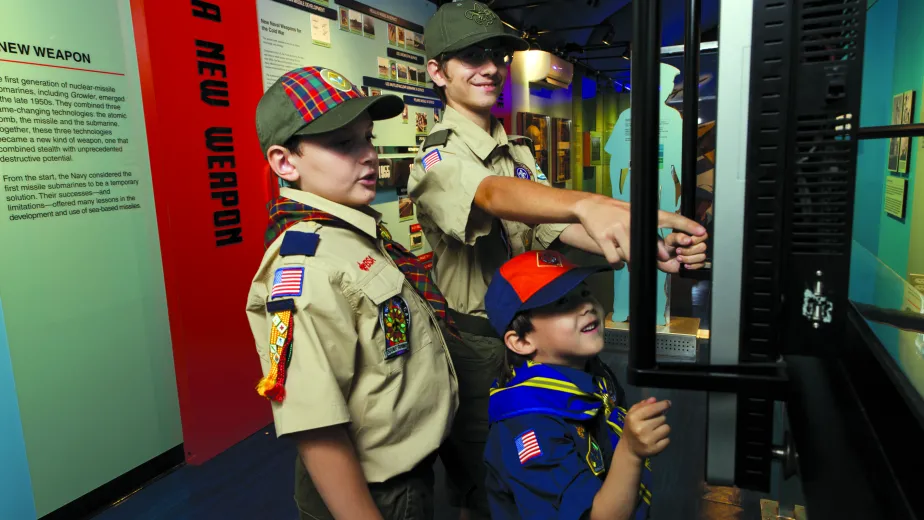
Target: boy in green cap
482,200
346,321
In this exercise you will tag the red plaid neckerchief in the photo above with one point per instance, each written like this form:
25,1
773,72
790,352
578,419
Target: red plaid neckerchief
285,213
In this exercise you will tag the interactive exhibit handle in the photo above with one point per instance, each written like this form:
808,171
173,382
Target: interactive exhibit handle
690,129
759,379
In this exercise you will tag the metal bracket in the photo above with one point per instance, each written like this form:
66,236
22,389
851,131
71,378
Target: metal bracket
787,456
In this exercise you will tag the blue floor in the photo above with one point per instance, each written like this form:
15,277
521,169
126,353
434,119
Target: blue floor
253,479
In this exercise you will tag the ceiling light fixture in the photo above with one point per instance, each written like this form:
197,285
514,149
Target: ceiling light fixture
609,35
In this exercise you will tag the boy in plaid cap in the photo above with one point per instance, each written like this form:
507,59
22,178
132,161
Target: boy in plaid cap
346,321
561,443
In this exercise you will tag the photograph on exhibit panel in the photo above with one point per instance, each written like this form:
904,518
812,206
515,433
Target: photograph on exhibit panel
368,26
898,104
904,147
356,22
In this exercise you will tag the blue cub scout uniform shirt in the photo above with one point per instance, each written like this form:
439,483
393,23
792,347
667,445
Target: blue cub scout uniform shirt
550,447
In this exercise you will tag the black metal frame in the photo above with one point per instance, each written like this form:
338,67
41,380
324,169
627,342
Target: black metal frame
769,154
813,223
690,132
691,42
798,205
886,132
646,41
766,379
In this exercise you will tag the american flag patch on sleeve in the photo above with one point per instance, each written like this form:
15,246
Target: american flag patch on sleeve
287,282
527,446
431,159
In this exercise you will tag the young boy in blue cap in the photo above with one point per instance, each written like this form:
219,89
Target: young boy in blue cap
561,444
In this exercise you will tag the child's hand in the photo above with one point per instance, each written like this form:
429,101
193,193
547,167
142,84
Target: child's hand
645,428
685,252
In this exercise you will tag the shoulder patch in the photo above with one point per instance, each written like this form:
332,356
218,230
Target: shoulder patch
272,386
520,171
431,159
438,138
280,305
527,446
594,457
299,243
287,282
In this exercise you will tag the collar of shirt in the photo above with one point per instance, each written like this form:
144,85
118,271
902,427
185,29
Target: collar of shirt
555,390
581,379
365,219
479,141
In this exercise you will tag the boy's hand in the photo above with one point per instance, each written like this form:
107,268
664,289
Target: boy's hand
606,221
646,430
686,252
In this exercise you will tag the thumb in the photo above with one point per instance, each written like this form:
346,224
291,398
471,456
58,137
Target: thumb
663,254
680,223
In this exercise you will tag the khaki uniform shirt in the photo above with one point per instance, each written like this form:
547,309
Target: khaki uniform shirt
468,243
398,411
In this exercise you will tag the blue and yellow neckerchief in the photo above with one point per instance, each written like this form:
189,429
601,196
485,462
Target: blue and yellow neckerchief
543,389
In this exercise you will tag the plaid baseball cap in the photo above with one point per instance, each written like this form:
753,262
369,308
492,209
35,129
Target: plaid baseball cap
529,281
460,24
315,100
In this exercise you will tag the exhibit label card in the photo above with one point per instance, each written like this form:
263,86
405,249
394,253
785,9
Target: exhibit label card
895,196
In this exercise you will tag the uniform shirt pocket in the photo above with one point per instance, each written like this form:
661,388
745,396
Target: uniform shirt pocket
382,285
378,289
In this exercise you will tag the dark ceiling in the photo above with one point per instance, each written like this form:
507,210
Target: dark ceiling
595,32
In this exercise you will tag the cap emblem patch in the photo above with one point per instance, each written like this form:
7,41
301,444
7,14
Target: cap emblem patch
335,80
481,15
549,258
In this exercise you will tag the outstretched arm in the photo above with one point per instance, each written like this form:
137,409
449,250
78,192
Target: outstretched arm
685,252
605,220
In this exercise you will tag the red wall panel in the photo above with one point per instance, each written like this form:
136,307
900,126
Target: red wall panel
210,204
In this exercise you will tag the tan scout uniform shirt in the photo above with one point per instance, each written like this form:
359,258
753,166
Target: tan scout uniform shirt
399,411
468,246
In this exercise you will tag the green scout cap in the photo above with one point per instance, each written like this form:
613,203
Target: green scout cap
314,100
457,25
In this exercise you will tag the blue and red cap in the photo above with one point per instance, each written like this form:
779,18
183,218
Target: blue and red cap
529,281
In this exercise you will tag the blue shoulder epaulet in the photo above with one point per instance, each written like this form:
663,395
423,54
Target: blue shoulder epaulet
299,243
